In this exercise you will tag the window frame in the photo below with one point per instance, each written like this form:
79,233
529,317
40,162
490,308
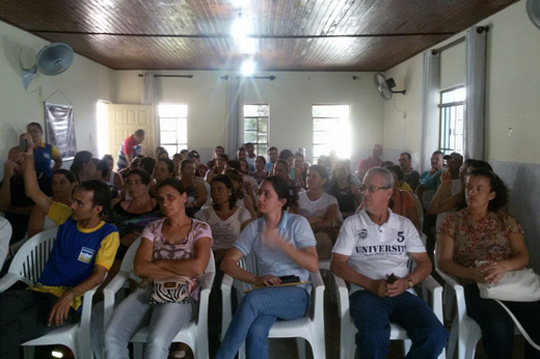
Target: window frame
178,145
257,145
339,119
447,114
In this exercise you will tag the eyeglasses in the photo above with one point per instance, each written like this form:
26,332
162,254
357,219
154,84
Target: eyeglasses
371,188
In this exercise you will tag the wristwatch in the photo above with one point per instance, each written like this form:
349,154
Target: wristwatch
411,283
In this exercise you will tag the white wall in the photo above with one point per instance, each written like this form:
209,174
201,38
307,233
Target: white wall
512,104
290,97
83,84
513,80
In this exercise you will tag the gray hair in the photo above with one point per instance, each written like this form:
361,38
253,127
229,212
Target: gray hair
387,177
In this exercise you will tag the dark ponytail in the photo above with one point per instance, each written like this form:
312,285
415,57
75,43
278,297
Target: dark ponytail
283,190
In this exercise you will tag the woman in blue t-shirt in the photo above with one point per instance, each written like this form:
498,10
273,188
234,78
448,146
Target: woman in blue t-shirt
284,245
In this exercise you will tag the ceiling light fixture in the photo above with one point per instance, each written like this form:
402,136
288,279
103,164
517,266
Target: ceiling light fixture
240,3
241,27
248,67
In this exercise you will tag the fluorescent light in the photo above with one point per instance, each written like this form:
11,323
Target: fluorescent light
57,354
241,28
248,67
240,3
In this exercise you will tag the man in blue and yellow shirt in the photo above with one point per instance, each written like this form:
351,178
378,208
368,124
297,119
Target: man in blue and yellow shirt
84,251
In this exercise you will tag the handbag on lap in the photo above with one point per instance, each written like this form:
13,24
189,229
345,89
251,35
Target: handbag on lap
171,290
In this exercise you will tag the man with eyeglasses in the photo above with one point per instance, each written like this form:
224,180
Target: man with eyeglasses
371,253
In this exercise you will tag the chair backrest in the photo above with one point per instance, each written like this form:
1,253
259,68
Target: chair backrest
31,258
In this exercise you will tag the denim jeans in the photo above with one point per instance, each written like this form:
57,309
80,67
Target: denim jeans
135,311
498,328
256,313
372,316
23,316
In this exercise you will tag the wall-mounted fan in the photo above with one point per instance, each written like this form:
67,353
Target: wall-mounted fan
52,60
385,86
533,9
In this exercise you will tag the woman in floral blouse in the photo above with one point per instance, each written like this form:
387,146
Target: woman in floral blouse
480,244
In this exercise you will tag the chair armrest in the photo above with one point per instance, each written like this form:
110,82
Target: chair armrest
87,309
207,280
459,291
431,284
109,293
8,280
226,316
342,296
436,296
318,294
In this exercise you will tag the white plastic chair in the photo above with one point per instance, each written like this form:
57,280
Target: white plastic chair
310,328
465,331
195,334
26,267
5,236
348,330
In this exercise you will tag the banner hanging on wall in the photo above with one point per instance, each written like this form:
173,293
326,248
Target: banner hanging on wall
60,129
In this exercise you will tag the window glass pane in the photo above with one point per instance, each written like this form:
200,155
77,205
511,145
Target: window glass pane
320,137
330,110
167,124
167,137
250,137
256,110
261,150
250,124
166,110
182,136
262,138
263,124
171,149
324,124
319,150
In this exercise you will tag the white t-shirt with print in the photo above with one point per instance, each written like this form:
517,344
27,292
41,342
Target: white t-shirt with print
224,232
377,251
317,208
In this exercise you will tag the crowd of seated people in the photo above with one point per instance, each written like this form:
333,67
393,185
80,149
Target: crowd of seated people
171,202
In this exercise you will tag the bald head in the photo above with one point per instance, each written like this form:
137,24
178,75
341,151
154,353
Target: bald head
376,152
16,156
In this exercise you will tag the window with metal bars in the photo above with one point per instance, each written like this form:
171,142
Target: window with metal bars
452,126
331,131
173,127
256,127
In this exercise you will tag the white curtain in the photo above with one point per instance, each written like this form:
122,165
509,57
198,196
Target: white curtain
150,96
149,89
430,110
475,86
234,114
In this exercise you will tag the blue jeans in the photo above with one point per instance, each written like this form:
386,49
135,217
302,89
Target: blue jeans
372,316
165,320
256,314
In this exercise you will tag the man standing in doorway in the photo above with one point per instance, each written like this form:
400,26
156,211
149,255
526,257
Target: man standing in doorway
130,148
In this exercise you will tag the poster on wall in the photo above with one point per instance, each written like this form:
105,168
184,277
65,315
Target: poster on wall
60,129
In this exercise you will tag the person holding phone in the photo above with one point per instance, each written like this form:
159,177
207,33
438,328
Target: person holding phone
44,153
285,245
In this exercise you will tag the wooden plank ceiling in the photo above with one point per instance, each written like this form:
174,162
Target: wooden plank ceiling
299,35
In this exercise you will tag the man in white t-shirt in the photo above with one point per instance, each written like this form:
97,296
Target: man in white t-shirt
371,253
